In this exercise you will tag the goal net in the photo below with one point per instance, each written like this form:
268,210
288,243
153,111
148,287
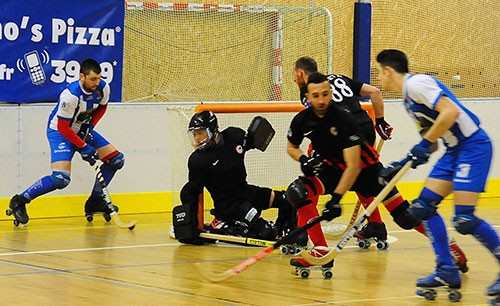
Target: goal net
453,40
220,52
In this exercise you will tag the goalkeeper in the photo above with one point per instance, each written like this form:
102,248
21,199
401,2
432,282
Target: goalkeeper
218,164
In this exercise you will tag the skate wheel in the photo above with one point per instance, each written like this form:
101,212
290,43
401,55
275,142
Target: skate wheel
304,273
284,250
364,244
89,218
428,294
16,223
107,217
454,296
382,245
327,274
8,211
495,301
294,250
131,227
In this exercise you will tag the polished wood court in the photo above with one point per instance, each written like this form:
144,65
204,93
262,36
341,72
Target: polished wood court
68,262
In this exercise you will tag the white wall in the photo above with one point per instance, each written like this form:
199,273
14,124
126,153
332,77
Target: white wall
154,140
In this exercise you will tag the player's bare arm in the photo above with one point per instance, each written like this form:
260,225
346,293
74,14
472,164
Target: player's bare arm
294,151
376,99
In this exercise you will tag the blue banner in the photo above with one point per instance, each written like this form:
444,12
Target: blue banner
43,42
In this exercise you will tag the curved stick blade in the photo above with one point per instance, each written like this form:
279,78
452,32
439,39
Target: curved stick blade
213,277
118,221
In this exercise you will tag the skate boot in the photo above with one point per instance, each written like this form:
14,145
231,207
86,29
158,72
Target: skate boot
458,256
494,292
445,277
17,208
96,204
372,232
299,243
303,268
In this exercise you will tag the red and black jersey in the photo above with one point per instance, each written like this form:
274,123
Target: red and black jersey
345,93
330,135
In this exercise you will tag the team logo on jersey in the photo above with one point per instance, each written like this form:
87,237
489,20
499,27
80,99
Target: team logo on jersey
289,134
333,131
239,149
354,138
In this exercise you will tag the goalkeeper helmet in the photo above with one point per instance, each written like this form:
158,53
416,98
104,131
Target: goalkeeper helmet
203,129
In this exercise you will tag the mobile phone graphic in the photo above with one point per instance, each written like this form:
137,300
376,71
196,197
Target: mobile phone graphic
35,68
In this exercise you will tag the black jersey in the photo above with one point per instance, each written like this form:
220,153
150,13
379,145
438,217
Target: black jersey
220,169
330,135
346,93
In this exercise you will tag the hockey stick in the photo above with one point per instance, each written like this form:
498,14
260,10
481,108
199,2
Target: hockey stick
219,277
107,198
237,239
357,226
355,212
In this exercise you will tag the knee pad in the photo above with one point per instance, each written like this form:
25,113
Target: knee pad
426,205
465,224
61,179
116,162
301,192
403,218
421,209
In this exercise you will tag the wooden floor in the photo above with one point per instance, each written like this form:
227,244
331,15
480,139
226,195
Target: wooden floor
67,262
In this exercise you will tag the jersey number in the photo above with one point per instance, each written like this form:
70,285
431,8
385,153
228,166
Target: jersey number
340,90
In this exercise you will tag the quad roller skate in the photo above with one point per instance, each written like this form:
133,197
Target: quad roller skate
493,291
17,208
458,256
299,244
96,204
303,268
445,277
372,232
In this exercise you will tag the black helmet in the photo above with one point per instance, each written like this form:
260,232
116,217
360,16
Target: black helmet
206,121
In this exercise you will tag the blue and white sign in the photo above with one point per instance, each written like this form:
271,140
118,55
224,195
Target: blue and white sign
43,42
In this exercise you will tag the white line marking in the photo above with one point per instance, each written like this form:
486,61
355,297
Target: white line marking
158,245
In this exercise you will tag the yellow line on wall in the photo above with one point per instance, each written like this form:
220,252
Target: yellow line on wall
152,202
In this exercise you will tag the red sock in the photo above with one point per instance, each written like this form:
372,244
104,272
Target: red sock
421,229
306,213
375,217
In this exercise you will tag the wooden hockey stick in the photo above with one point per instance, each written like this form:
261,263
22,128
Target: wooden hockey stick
237,239
355,212
219,277
357,225
107,198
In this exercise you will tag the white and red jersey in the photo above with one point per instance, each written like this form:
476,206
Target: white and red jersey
76,104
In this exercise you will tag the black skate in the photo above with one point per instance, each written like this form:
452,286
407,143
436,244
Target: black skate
299,242
96,204
303,268
372,232
17,208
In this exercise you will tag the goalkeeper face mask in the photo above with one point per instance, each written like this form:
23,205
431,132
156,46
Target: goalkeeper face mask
201,138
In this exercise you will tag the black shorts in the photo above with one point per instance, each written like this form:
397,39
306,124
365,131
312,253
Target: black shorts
236,209
367,184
